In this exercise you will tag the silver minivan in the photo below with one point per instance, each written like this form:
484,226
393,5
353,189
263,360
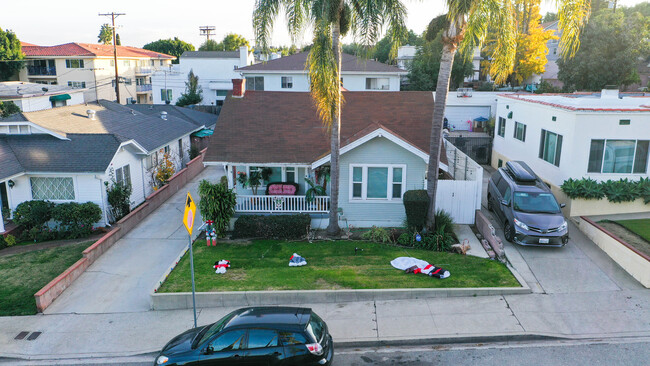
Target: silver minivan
526,206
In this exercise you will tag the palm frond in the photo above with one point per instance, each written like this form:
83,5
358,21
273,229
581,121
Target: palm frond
263,17
505,43
297,12
395,12
323,73
573,16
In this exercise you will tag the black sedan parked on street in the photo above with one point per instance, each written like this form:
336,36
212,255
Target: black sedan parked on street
254,336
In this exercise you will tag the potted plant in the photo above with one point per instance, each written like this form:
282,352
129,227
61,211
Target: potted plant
322,172
266,173
313,191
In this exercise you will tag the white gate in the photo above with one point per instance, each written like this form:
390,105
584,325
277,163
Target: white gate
459,198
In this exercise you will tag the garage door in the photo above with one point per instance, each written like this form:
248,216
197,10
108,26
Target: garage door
459,115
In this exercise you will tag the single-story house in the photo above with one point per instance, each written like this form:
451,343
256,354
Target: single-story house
30,97
66,154
601,136
384,152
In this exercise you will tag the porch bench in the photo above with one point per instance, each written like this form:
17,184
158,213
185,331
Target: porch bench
282,189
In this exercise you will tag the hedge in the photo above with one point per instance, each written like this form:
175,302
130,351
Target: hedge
416,204
72,219
616,191
272,226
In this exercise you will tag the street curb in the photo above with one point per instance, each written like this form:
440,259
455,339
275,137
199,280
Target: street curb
448,340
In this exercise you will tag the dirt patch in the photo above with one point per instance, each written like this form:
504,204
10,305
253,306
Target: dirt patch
629,237
236,275
325,285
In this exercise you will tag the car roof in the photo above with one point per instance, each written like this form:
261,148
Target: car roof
292,317
539,185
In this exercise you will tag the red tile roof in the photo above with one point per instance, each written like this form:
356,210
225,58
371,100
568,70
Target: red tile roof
89,49
284,127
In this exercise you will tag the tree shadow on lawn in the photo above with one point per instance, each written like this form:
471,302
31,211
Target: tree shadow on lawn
263,265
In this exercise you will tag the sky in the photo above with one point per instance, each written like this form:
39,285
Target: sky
45,22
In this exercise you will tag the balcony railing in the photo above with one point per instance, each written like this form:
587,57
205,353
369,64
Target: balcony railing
41,70
143,88
144,70
281,204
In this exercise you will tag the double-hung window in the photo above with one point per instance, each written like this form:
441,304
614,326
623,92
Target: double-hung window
123,176
377,182
74,64
287,82
255,83
550,147
618,156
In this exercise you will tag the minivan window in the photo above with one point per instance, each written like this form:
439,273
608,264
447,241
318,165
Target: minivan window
535,202
315,327
502,186
506,196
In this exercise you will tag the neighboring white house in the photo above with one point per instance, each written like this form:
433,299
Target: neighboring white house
215,70
464,106
384,144
594,135
30,97
405,55
91,66
289,74
67,154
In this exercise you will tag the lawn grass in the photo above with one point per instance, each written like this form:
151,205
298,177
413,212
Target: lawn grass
22,275
640,227
263,265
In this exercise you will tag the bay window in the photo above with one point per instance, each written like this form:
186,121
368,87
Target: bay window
377,182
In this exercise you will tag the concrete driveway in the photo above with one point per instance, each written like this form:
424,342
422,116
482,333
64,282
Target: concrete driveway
121,279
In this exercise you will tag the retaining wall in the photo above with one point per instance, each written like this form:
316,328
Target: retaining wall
45,296
634,262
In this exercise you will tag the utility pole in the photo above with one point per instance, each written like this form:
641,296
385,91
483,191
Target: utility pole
94,69
207,31
114,15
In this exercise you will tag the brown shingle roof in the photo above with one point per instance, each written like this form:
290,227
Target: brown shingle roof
283,127
297,62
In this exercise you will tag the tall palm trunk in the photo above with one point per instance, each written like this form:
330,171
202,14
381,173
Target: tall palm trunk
335,140
451,39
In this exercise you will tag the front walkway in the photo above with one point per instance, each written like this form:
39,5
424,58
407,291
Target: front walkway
121,279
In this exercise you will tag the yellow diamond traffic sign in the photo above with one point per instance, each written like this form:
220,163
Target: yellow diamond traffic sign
190,213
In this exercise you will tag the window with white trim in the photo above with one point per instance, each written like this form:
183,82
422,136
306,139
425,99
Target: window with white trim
52,188
377,182
618,156
377,84
77,84
123,175
151,161
74,64
287,82
290,174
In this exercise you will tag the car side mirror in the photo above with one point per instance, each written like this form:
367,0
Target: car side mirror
505,203
562,205
208,350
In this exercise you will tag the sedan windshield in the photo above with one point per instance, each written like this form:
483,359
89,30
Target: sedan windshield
534,202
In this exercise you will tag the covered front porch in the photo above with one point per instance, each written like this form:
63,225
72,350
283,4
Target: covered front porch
282,188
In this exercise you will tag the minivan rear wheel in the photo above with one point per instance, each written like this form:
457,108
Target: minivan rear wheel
508,232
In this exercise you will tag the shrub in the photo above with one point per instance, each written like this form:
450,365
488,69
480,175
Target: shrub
643,189
620,191
35,213
75,219
10,240
439,241
444,222
217,203
224,181
406,239
165,169
3,243
572,188
377,234
119,197
416,204
194,151
272,227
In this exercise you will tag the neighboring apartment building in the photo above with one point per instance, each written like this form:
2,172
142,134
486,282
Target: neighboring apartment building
92,67
289,74
595,135
30,97
215,70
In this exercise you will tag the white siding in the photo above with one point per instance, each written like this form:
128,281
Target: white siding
124,156
351,81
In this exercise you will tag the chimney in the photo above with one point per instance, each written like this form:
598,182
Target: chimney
163,115
238,88
91,114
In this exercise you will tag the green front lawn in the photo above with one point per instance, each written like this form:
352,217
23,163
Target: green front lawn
640,227
22,275
264,265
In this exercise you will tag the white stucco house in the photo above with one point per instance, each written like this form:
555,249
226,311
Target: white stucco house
215,70
289,74
66,154
30,97
600,136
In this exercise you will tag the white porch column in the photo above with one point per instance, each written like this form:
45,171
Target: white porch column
228,170
2,224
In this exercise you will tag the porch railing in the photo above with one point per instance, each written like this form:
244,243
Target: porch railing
281,204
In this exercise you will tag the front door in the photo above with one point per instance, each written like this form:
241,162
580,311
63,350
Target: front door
4,199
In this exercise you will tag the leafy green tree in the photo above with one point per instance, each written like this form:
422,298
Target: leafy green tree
211,45
549,17
609,54
467,28
8,108
10,54
118,42
232,42
331,20
193,91
105,34
174,47
424,69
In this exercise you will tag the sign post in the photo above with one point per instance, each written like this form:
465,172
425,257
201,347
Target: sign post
188,221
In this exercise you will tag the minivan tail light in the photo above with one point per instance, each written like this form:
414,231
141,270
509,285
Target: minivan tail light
315,349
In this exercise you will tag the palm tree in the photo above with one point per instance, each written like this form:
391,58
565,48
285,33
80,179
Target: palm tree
331,19
468,22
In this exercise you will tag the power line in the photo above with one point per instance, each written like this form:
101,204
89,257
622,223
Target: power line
207,31
114,15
